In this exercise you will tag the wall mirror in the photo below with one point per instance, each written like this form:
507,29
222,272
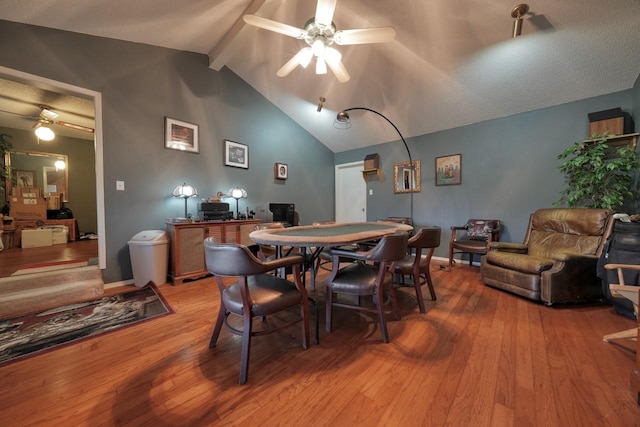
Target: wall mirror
46,171
406,177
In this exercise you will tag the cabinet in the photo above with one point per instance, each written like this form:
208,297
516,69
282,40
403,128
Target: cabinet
186,254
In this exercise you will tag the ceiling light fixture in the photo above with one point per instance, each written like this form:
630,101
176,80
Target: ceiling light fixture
321,103
343,122
43,131
517,13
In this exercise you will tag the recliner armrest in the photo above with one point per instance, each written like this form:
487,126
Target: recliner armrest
517,248
572,257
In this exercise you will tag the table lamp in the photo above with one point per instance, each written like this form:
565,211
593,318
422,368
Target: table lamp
237,193
185,190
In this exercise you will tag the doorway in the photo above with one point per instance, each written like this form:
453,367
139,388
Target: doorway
96,98
351,193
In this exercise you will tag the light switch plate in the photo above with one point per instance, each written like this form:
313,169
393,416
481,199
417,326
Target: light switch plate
120,185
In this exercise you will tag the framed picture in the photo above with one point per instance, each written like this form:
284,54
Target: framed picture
236,154
25,178
181,136
449,170
281,171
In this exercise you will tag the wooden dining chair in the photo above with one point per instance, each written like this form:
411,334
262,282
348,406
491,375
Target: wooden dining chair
621,289
371,277
417,263
255,293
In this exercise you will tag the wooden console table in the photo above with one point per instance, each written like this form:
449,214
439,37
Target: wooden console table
186,254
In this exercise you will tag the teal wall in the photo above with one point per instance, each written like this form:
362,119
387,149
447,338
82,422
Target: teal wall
142,84
509,167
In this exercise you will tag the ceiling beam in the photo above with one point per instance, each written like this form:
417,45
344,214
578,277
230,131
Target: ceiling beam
221,52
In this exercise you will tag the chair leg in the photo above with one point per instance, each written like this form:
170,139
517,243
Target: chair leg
329,307
304,311
418,286
383,322
218,327
246,349
450,257
427,277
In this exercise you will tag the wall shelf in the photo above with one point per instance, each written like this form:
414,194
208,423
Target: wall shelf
369,173
630,140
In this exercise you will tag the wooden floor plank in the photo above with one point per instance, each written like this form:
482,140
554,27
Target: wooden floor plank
479,356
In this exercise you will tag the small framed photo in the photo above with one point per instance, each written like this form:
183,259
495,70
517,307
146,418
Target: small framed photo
281,171
449,170
180,135
236,154
25,179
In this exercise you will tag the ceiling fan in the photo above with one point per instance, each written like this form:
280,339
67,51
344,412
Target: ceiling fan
45,119
320,33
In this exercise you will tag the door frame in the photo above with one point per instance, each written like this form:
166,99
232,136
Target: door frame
96,97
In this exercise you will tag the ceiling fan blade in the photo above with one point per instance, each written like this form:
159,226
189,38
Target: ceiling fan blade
303,57
277,27
75,126
334,61
324,12
365,35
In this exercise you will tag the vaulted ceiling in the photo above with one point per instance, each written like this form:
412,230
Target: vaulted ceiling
452,62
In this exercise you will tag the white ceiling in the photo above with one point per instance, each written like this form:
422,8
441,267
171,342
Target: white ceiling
453,62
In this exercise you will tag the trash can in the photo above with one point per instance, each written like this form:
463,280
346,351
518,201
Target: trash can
149,252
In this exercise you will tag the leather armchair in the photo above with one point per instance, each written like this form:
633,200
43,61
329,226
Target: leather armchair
557,261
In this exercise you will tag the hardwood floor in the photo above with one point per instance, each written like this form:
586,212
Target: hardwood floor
479,356
12,258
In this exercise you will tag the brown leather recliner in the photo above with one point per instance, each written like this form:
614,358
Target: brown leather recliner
557,261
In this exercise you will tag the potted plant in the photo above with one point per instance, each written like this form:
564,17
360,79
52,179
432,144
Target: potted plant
599,175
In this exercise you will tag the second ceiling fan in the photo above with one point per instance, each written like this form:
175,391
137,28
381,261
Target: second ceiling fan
320,33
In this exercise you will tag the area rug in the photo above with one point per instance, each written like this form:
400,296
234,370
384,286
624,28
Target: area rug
52,266
44,331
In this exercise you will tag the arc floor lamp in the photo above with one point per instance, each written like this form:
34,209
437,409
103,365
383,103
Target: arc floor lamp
344,122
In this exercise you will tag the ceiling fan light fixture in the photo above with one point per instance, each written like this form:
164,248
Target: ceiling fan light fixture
321,66
305,57
318,47
44,132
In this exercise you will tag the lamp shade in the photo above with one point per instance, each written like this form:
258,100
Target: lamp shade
185,190
237,193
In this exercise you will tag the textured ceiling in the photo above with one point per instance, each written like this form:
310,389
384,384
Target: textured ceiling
452,63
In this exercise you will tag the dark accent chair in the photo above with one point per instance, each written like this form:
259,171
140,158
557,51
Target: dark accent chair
417,263
372,276
558,260
255,293
473,238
